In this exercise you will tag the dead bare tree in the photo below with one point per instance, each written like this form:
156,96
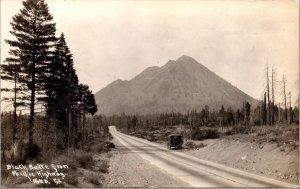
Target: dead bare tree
273,96
279,113
290,108
284,96
268,96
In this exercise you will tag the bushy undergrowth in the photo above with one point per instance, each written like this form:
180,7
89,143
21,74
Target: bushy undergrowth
103,167
205,134
279,134
84,159
103,147
76,159
100,148
94,179
72,180
238,130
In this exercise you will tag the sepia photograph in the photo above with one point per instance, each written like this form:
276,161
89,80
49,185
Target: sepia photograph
149,93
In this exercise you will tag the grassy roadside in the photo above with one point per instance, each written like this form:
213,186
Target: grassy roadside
86,168
281,135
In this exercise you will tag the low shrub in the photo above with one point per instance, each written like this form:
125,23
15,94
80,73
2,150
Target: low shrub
241,129
151,138
72,180
100,147
103,147
78,158
261,134
4,172
198,135
211,134
85,160
272,139
109,144
11,181
93,178
276,132
67,160
103,167
109,155
34,151
229,132
205,134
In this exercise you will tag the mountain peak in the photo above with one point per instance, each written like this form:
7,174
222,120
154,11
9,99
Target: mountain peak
181,61
185,58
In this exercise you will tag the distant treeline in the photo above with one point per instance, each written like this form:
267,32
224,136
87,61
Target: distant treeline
40,72
206,117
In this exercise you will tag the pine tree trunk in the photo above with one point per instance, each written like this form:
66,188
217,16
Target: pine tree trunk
83,129
15,110
69,111
31,120
69,128
32,98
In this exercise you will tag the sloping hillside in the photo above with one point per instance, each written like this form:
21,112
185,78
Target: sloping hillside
179,85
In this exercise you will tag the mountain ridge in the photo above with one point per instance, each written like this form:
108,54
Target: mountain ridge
179,85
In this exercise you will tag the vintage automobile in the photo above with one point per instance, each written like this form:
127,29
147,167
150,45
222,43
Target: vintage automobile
175,142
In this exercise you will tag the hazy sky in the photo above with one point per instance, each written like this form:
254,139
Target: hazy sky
118,39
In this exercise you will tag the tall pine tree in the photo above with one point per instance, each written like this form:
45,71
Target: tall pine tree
87,104
58,81
62,90
34,35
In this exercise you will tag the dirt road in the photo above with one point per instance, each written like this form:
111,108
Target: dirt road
127,169
186,169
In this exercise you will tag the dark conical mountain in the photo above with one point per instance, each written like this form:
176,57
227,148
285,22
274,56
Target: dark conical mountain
178,86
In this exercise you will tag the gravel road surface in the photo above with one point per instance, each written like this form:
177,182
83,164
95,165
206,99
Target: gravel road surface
147,164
